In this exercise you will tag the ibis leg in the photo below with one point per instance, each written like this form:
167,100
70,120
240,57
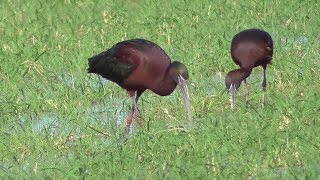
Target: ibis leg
136,109
246,91
130,116
264,85
129,120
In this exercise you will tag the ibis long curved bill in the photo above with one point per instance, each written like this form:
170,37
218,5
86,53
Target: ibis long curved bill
232,93
182,83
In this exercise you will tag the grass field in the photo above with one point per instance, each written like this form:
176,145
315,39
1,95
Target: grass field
58,122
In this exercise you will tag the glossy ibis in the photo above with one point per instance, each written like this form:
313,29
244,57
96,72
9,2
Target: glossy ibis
137,65
249,48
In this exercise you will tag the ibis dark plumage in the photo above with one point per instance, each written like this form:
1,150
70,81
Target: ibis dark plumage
137,65
249,48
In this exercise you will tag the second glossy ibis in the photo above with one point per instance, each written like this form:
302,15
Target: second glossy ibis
249,48
137,65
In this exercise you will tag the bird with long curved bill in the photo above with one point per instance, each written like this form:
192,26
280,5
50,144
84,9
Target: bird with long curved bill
137,65
249,48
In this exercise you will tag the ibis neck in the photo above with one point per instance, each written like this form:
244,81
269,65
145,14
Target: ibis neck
166,86
244,72
237,76
241,74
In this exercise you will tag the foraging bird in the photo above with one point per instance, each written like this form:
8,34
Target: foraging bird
249,48
137,65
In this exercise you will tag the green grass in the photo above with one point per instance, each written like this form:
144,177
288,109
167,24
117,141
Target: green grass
59,122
